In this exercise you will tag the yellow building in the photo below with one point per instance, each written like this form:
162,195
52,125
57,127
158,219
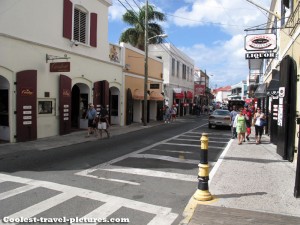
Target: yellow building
134,78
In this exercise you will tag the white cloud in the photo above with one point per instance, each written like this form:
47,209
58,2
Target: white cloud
232,16
225,60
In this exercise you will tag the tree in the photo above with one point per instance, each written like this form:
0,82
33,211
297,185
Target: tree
135,35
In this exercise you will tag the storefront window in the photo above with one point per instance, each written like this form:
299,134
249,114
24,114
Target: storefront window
45,107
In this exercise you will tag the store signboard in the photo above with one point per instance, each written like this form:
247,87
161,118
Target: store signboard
260,42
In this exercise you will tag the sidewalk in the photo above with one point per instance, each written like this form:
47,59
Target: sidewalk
248,177
75,137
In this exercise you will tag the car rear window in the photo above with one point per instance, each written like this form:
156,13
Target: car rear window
221,112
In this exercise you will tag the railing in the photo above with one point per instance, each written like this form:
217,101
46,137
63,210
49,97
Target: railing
293,20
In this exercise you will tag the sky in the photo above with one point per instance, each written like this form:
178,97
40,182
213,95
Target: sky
211,32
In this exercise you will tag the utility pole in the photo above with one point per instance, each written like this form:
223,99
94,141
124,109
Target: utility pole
263,8
146,67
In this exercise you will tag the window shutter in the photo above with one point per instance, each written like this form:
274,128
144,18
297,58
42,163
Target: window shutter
93,30
67,23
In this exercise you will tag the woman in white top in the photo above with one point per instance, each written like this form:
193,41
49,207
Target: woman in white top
258,119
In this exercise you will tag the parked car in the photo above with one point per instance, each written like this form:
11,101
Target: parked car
219,117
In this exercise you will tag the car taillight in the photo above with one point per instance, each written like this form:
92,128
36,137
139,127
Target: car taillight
211,117
227,118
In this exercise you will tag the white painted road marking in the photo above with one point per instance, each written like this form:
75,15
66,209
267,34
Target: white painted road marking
162,215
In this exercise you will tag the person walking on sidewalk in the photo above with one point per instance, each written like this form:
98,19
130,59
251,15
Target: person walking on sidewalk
248,116
91,115
103,122
167,114
233,114
258,121
240,121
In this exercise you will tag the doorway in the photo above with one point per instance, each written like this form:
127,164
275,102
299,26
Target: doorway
79,105
4,111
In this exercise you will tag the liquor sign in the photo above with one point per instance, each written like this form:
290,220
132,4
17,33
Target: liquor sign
260,55
260,42
199,89
60,67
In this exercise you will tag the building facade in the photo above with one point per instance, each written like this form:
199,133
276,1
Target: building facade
178,76
134,80
239,91
53,66
279,87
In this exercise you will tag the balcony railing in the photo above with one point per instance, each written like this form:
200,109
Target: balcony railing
293,20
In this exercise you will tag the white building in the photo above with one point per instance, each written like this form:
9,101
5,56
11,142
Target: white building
239,91
178,75
55,59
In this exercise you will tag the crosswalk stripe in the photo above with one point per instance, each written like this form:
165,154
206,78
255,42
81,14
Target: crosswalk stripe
209,137
166,158
163,219
16,191
108,179
184,139
173,151
152,173
85,193
103,211
42,206
177,144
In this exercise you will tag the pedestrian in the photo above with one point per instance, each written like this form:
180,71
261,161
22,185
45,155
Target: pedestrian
167,114
248,116
233,114
174,113
91,115
240,121
259,120
103,123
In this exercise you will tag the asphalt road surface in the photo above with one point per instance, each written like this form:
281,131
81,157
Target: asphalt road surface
146,177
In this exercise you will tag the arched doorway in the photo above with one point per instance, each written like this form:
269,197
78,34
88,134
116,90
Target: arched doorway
115,106
80,100
4,110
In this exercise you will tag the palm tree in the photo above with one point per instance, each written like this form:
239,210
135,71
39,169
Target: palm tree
135,34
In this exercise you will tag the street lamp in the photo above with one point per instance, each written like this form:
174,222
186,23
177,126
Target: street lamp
146,63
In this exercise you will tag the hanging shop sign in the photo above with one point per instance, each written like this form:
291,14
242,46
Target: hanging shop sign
199,89
260,55
60,67
260,42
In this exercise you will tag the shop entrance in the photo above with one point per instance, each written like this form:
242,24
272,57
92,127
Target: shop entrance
79,106
4,111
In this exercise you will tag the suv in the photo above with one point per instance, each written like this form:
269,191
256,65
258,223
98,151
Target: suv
237,103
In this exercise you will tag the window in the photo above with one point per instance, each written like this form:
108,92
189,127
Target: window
45,107
183,71
178,66
173,67
80,26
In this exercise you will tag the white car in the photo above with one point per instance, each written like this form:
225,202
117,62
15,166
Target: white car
219,117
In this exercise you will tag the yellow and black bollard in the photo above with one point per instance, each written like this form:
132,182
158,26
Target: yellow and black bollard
203,194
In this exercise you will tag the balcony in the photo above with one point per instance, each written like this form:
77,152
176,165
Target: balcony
293,21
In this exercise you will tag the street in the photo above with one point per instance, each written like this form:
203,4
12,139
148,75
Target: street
145,176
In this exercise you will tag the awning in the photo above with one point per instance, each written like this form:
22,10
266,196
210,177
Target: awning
156,96
273,88
261,91
139,95
189,95
179,95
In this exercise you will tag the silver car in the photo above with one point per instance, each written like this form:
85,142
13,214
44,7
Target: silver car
219,117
